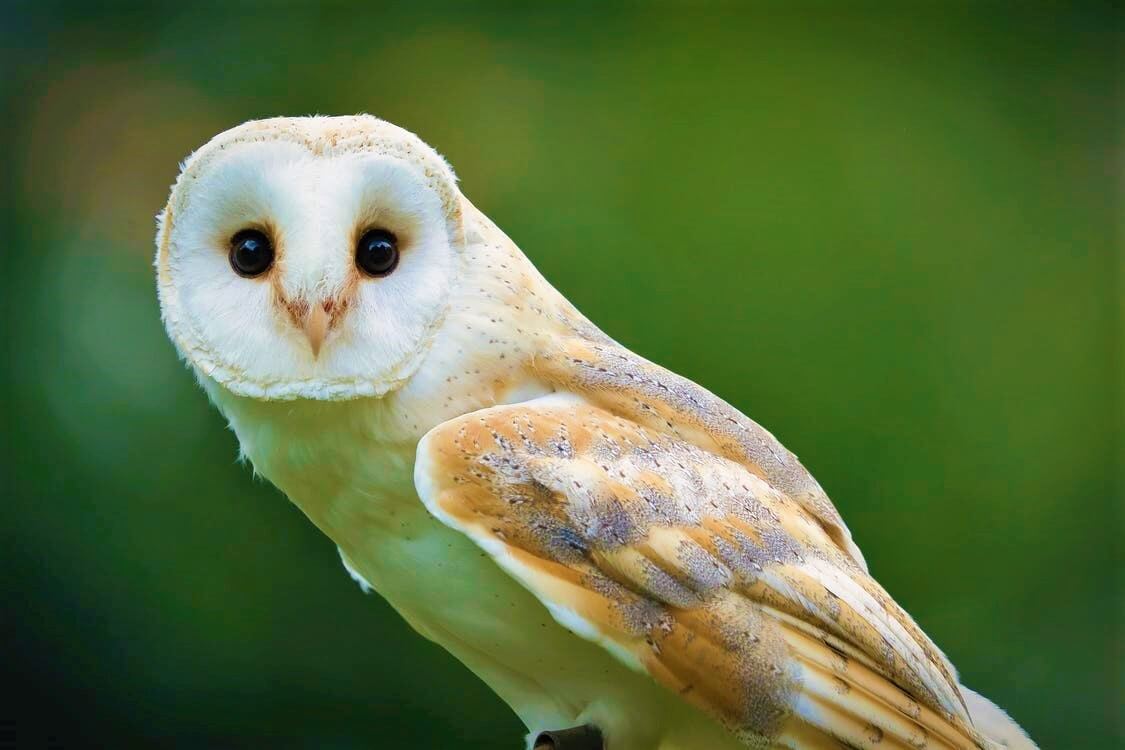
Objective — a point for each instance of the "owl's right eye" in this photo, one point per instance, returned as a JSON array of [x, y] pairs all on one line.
[[251, 253]]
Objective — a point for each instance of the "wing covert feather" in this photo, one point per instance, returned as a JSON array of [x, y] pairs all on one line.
[[690, 567], [616, 379]]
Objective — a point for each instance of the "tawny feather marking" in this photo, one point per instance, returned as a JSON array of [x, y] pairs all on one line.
[[693, 568]]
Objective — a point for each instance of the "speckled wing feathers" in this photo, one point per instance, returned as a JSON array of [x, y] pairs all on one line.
[[623, 383], [689, 566]]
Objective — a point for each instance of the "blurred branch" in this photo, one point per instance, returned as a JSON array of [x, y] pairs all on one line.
[[585, 737]]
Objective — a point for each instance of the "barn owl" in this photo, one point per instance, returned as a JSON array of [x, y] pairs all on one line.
[[623, 557]]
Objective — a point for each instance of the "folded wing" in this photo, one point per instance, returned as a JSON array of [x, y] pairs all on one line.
[[688, 566]]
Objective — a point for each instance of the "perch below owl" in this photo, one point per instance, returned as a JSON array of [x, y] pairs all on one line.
[[657, 565]]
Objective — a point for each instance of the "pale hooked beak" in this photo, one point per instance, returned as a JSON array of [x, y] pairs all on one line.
[[315, 319], [315, 325]]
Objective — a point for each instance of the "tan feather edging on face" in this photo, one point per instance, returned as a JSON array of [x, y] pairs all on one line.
[[314, 181], [328, 136]]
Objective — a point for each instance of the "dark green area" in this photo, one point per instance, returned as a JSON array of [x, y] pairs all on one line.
[[892, 239]]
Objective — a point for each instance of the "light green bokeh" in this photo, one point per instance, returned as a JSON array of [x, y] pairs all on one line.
[[892, 239]]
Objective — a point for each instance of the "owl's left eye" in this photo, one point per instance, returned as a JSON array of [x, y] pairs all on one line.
[[376, 253]]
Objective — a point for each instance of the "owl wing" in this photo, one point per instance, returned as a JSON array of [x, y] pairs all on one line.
[[688, 566], [610, 376]]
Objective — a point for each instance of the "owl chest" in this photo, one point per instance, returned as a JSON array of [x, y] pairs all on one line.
[[359, 491]]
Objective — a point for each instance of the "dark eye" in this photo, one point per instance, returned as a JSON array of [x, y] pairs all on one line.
[[251, 253], [376, 253]]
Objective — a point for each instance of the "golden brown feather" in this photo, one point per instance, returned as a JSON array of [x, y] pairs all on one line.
[[693, 568]]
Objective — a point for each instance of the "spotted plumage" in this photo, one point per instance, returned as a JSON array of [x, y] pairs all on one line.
[[600, 540], [691, 568]]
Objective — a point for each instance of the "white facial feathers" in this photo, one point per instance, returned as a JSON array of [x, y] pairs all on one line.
[[312, 325]]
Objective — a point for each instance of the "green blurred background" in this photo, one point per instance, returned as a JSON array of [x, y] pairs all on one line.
[[893, 238]]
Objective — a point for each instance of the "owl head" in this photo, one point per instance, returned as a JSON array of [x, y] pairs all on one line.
[[309, 257]]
